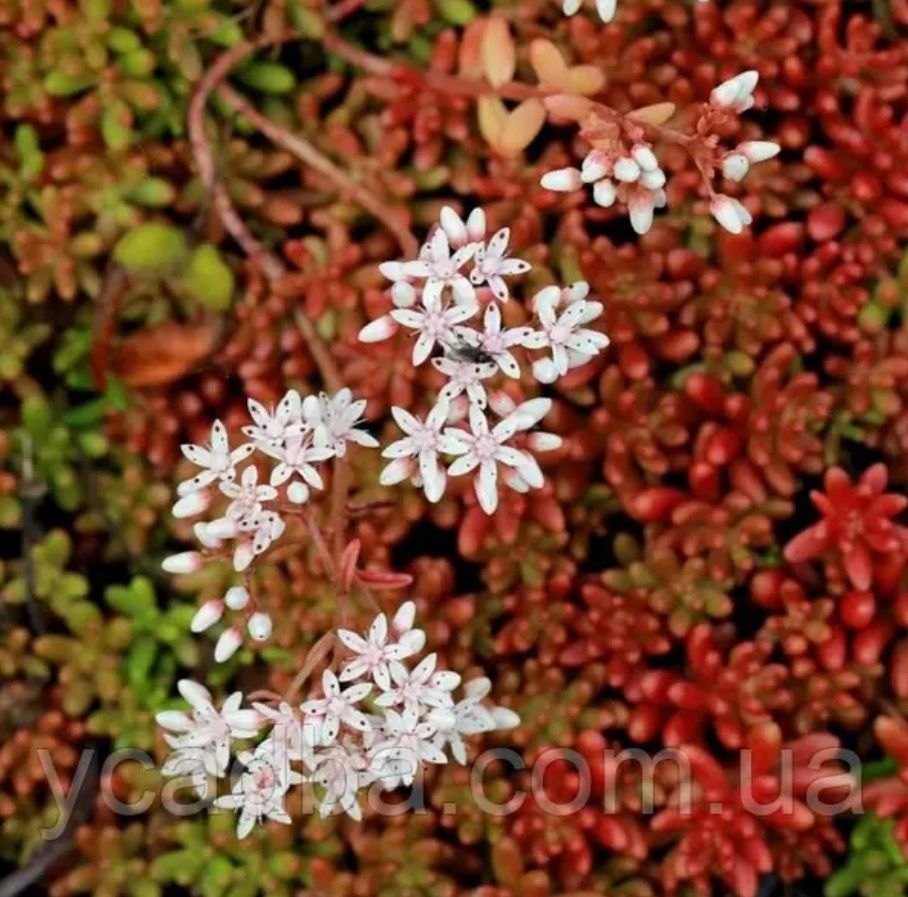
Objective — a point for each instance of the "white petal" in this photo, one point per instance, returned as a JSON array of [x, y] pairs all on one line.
[[486, 486]]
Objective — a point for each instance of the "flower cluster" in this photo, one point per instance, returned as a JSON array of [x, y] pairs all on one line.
[[293, 438], [375, 723], [622, 165], [435, 296]]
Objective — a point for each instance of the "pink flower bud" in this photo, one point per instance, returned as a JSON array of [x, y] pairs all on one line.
[[737, 92], [378, 330], [403, 619], [730, 213], [759, 150], [184, 562], [452, 224], [735, 166], [237, 597], [227, 644], [562, 180], [259, 626], [192, 504], [207, 615]]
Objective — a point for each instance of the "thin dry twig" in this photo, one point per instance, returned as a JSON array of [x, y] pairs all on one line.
[[309, 155]]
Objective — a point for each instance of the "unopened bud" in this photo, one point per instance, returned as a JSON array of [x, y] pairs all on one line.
[[227, 644], [259, 626], [237, 597], [207, 615], [735, 166], [562, 180], [192, 504], [184, 562]]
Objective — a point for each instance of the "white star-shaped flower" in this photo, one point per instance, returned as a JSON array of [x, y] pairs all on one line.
[[340, 770], [337, 707], [248, 496], [440, 269], [259, 792], [464, 377], [334, 420], [406, 744], [206, 727], [416, 455], [564, 334], [496, 342], [419, 687], [375, 652], [298, 457], [272, 427], [217, 459], [434, 324], [492, 265], [485, 449], [258, 533]]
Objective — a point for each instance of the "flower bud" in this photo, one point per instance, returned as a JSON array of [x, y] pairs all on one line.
[[759, 150], [595, 167], [737, 92], [505, 718], [237, 597], [403, 619], [192, 504], [544, 370], [206, 616], [645, 157], [452, 224], [184, 562], [654, 179], [562, 180], [227, 644], [298, 492], [259, 626], [627, 170], [403, 295], [735, 166], [730, 213], [222, 528], [476, 224], [604, 193], [378, 330], [203, 534], [544, 442]]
